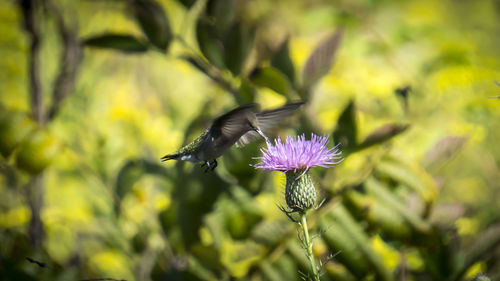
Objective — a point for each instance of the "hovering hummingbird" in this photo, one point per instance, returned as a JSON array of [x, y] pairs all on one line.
[[239, 126]]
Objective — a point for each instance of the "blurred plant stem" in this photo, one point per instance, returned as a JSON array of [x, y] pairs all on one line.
[[35, 196], [32, 23], [307, 242], [31, 13], [210, 70], [70, 58]]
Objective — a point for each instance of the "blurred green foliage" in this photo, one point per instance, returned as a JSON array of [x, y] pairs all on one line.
[[402, 85]]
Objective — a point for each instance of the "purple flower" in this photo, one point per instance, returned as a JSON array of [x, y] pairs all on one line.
[[298, 154]]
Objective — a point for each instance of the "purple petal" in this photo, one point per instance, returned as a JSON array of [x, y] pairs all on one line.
[[297, 153]]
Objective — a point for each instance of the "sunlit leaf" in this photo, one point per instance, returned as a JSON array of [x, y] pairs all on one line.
[[270, 272], [210, 44], [132, 172], [443, 150], [337, 271], [223, 13], [236, 222], [187, 3], [339, 240], [154, 22], [270, 232], [413, 177], [452, 56], [296, 251], [247, 91], [346, 131], [281, 60], [379, 215], [382, 192], [239, 256], [356, 233], [216, 225], [447, 214], [37, 151], [383, 134], [14, 128], [198, 269], [484, 246], [285, 268], [237, 44], [271, 78], [321, 60], [194, 62], [124, 43]]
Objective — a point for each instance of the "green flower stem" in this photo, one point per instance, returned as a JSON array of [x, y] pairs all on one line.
[[308, 245]]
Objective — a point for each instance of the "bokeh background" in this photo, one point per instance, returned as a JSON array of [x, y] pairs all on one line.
[[94, 92]]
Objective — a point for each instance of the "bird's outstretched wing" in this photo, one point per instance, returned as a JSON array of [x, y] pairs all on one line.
[[232, 125], [268, 119]]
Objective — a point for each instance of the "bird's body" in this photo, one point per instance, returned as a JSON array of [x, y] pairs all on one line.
[[239, 126]]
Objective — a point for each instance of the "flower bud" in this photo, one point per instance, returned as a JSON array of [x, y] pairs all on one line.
[[300, 194]]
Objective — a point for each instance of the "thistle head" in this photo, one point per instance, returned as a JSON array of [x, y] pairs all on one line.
[[298, 154], [295, 157]]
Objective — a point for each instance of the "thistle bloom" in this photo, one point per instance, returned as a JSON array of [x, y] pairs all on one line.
[[298, 154], [295, 157]]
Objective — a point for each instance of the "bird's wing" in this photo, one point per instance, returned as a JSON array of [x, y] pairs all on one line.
[[268, 119], [233, 124]]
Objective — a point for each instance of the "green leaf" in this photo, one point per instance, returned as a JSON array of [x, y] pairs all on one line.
[[194, 62], [187, 3], [381, 192], [237, 44], [239, 256], [383, 134], [284, 268], [443, 150], [154, 22], [484, 246], [225, 42], [412, 176], [270, 232], [198, 268], [346, 131], [321, 60], [338, 239], [338, 272], [361, 240], [271, 78], [270, 272], [446, 214], [124, 43], [131, 172], [210, 45], [247, 90], [281, 60], [223, 13], [297, 252], [377, 214]]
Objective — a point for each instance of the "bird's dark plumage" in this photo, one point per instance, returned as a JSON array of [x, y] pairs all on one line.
[[238, 126]]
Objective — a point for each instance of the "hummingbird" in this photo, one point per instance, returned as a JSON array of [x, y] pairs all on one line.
[[238, 126]]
